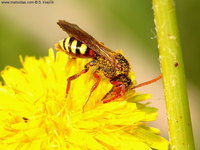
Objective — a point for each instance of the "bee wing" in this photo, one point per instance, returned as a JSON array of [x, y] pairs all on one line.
[[76, 32]]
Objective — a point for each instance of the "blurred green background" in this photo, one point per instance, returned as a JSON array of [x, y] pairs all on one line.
[[30, 29]]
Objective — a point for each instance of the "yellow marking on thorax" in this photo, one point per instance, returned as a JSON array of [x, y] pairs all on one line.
[[73, 46], [83, 48]]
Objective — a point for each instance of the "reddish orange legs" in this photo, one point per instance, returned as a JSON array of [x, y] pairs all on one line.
[[72, 78], [87, 66], [98, 79], [95, 74], [118, 90]]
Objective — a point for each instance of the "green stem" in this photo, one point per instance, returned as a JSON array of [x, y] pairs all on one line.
[[172, 67]]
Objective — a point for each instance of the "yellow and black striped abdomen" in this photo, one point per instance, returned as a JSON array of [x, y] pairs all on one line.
[[74, 47]]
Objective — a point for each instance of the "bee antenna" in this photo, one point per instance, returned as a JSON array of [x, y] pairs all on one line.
[[148, 82]]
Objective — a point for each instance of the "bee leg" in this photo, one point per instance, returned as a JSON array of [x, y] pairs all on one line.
[[87, 66], [118, 90], [98, 79]]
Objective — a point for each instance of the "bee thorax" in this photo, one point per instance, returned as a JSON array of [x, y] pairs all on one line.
[[110, 70]]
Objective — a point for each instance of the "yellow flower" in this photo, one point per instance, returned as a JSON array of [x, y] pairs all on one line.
[[36, 115]]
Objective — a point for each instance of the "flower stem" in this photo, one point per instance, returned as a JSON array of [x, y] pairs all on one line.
[[172, 67]]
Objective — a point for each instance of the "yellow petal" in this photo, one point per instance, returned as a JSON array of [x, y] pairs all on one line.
[[36, 114]]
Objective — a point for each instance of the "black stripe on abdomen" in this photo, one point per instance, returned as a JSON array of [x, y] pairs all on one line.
[[70, 43], [87, 51], [64, 43], [78, 47]]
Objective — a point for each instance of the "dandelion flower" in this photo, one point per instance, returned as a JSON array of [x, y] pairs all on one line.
[[35, 113]]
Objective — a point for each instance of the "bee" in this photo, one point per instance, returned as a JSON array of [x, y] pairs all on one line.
[[113, 65]]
